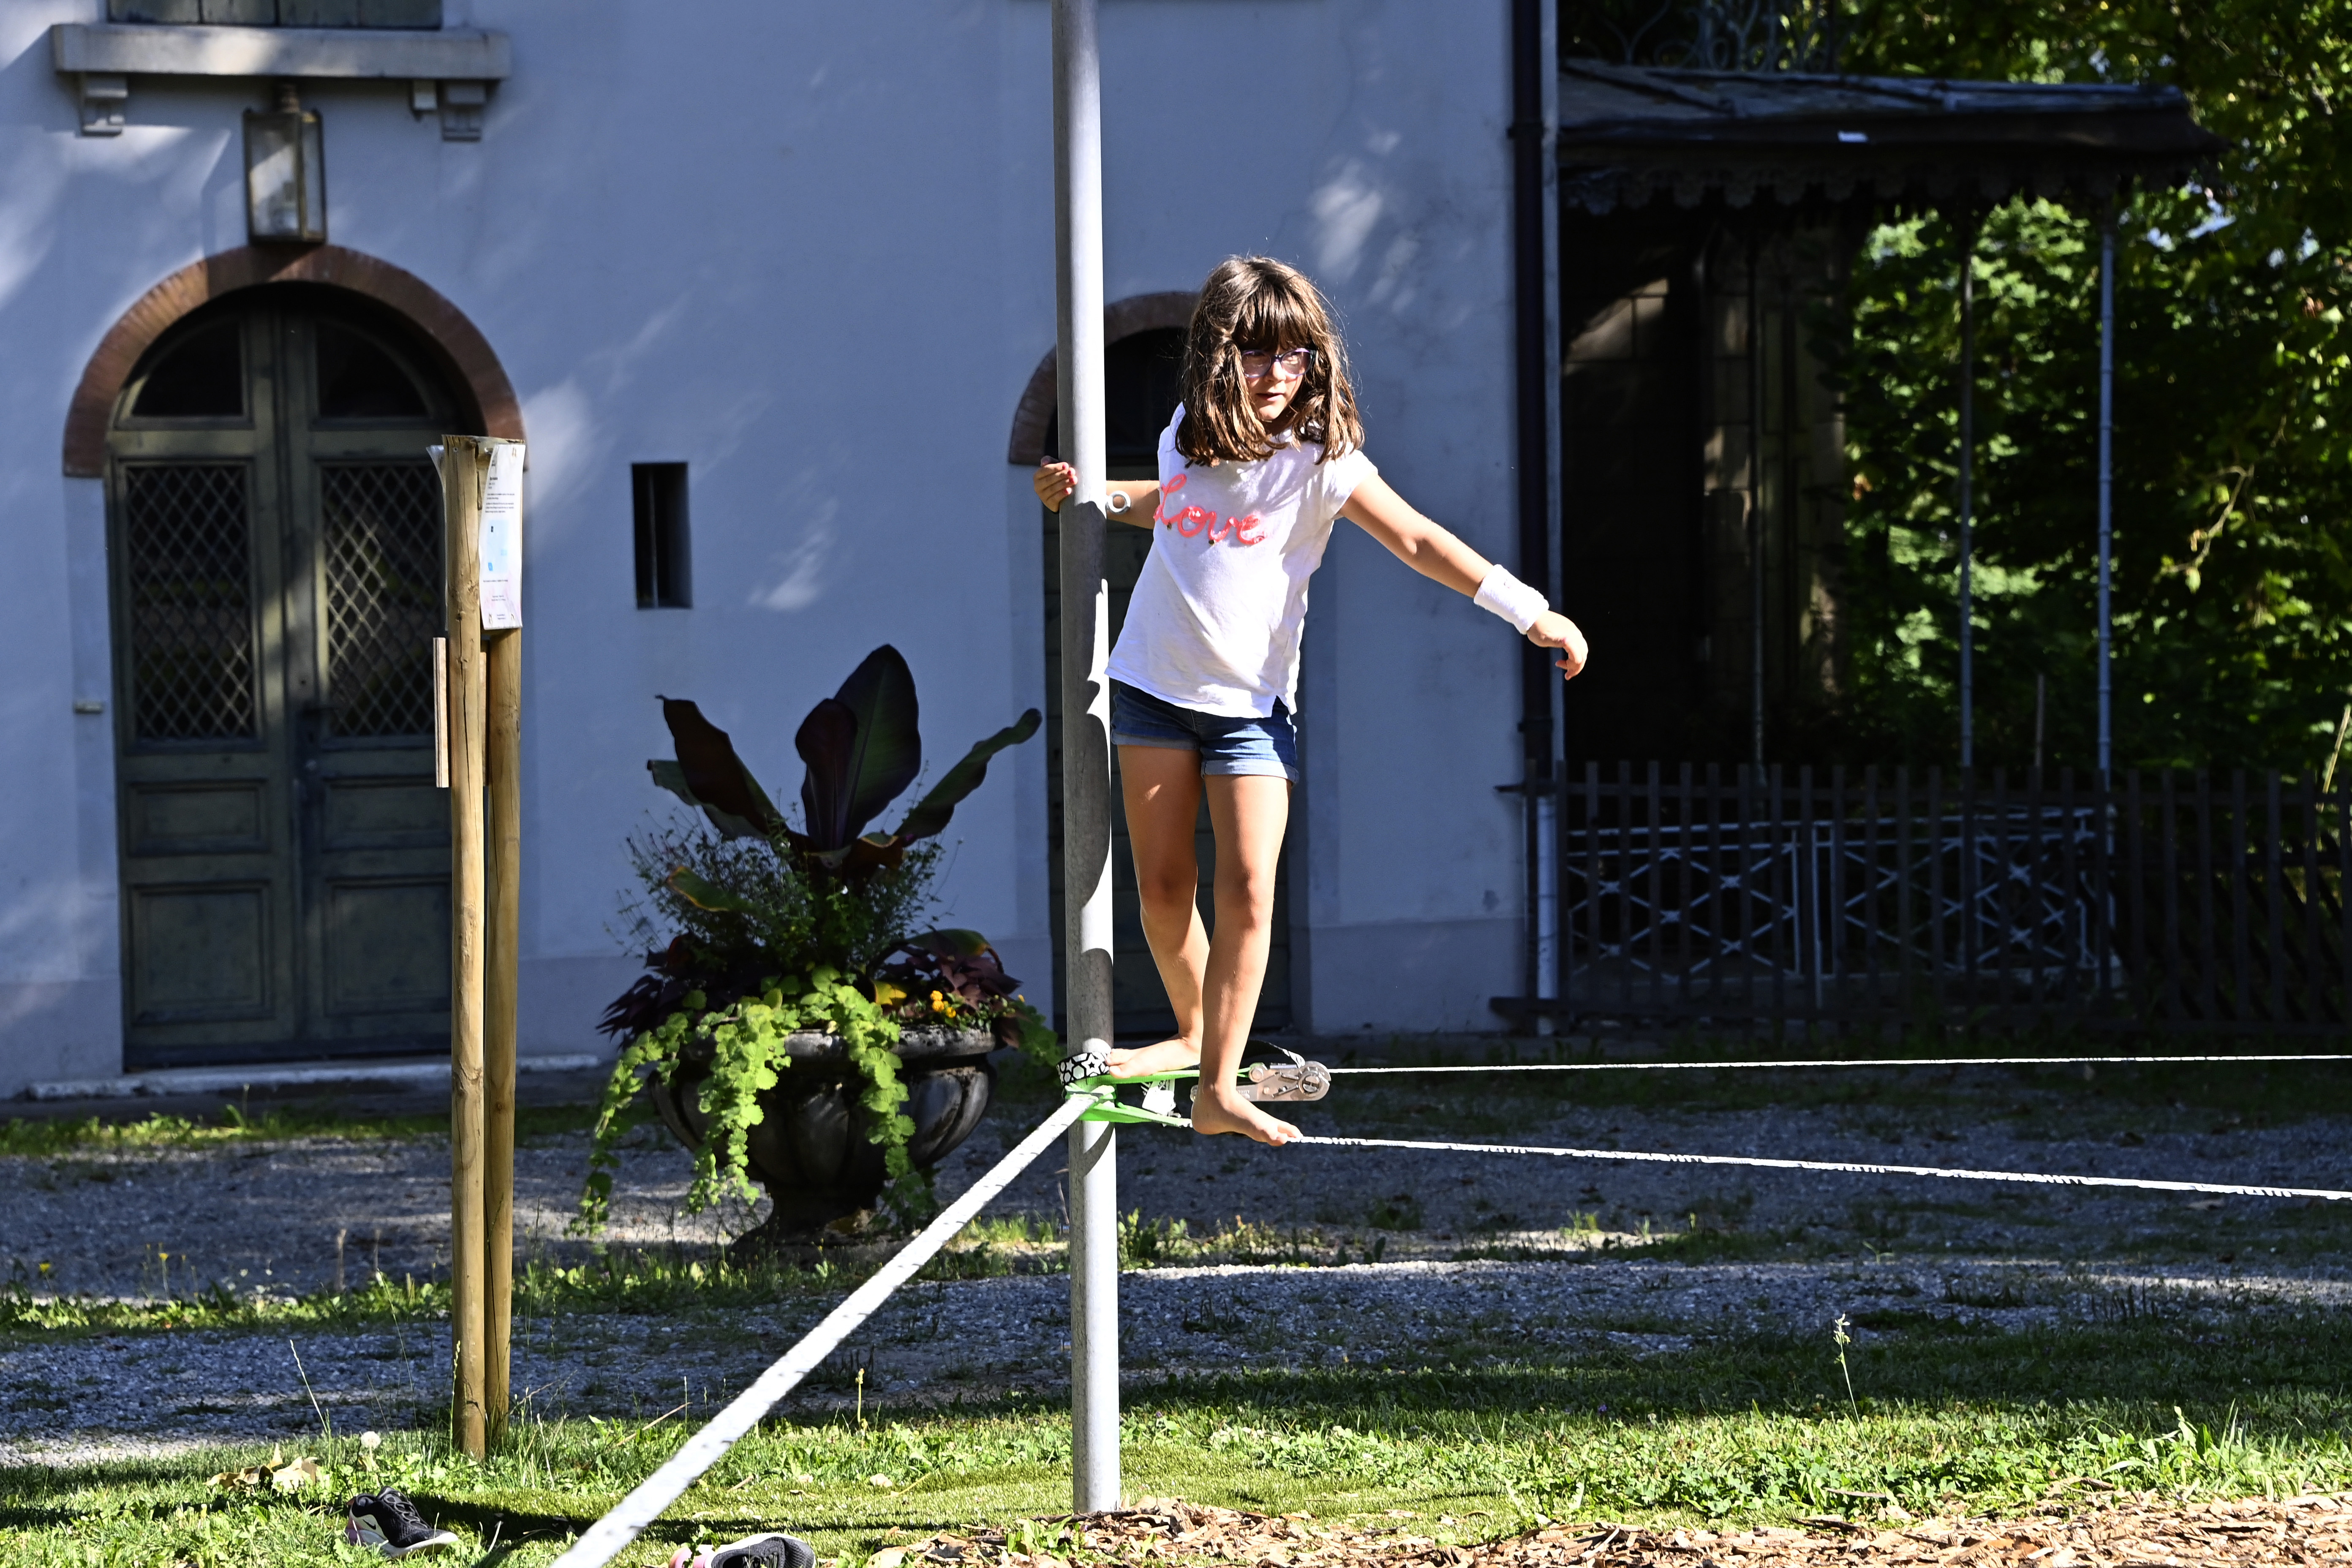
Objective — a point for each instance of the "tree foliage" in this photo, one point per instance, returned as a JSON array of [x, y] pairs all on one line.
[[2232, 590]]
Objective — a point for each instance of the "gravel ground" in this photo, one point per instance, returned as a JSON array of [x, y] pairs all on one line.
[[78, 1397], [267, 1217]]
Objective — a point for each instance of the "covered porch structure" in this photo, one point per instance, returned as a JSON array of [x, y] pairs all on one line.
[[1707, 218]]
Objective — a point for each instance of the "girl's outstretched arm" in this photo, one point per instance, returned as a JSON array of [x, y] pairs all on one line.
[[1053, 481], [1436, 554]]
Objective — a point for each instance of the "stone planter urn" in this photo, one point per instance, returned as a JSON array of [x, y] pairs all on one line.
[[810, 1150]]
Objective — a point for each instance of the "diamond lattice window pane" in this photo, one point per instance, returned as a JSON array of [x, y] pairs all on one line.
[[187, 539], [383, 594]]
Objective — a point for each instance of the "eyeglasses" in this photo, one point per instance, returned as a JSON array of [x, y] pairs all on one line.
[[1256, 362]]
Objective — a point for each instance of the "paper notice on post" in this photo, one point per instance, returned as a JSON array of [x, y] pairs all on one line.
[[502, 540]]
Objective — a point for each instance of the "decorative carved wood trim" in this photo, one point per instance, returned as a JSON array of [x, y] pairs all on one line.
[[1124, 319], [467, 358]]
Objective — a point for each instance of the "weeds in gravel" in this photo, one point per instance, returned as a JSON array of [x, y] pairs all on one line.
[[1842, 1338], [237, 1124], [1740, 1428], [612, 1282], [634, 1283], [655, 1281]]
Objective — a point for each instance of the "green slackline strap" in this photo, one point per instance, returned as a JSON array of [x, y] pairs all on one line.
[[1086, 1072]]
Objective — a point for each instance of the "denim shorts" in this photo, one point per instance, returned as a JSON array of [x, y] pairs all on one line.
[[1268, 746]]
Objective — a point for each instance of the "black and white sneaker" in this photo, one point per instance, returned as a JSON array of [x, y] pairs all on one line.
[[770, 1550], [388, 1521]]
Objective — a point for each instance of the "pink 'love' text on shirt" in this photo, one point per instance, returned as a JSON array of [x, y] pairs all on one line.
[[1191, 522]]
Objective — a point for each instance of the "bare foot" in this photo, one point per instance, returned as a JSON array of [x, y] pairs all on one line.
[[1228, 1112], [1168, 1055]]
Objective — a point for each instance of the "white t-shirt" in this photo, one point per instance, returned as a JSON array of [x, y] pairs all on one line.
[[1215, 619]]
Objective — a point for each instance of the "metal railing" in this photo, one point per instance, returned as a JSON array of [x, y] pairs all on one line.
[[1890, 896]]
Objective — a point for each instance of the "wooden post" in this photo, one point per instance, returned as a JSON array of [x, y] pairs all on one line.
[[498, 1039], [465, 474]]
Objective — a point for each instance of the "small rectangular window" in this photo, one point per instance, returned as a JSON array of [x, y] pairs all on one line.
[[664, 564]]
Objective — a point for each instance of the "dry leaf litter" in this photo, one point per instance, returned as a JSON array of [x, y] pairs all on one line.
[[2124, 1532]]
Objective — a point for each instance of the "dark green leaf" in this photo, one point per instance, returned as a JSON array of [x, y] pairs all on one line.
[[954, 942], [712, 771], [888, 751], [931, 812], [827, 743], [704, 894], [672, 777], [862, 857]]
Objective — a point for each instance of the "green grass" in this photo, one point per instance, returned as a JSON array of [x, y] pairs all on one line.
[[666, 1282], [1745, 1427], [612, 1281], [1750, 1428], [237, 1124]]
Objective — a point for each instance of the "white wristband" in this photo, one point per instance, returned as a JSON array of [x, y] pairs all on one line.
[[1116, 502], [1509, 597]]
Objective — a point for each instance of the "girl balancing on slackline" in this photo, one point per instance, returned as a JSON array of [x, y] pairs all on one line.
[[1263, 453]]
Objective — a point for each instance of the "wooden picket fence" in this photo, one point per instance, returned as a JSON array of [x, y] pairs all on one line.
[[1893, 897]]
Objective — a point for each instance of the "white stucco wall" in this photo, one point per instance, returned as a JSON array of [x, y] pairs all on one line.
[[1386, 174], [807, 249]]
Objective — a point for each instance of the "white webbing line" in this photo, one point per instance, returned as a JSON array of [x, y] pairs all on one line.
[[1851, 1167], [1845, 1062], [630, 1516]]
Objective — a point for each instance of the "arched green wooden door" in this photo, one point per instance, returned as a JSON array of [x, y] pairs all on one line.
[[277, 570]]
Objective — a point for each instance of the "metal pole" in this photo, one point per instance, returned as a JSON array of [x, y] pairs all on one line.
[[1756, 498], [1555, 524], [1086, 748], [1968, 474], [1535, 221], [2107, 481], [2041, 709]]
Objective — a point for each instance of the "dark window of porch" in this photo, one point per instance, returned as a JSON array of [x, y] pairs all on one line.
[[279, 12]]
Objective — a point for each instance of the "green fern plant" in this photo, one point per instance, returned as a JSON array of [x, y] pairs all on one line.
[[746, 1038]]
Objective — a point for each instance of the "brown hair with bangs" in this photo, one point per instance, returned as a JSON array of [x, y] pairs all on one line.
[[1257, 302]]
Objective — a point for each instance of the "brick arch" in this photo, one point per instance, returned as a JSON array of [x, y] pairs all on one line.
[[466, 356], [1124, 319]]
